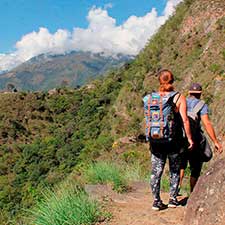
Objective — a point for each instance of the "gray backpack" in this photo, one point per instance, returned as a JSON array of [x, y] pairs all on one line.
[[194, 119]]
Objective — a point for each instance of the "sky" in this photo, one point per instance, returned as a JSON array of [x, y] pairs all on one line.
[[33, 27]]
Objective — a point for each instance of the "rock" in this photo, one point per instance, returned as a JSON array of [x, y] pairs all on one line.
[[52, 91], [127, 140], [206, 206]]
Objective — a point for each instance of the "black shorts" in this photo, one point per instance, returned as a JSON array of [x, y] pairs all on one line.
[[193, 157], [165, 148]]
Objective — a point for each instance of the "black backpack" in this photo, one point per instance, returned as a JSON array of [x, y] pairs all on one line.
[[197, 133], [194, 120]]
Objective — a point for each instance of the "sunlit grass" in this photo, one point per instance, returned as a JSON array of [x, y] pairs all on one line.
[[106, 173], [68, 205]]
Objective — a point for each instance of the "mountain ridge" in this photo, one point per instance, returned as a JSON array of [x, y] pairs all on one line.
[[48, 71]]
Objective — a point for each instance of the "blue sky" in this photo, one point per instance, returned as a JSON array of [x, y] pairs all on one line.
[[19, 17], [33, 27]]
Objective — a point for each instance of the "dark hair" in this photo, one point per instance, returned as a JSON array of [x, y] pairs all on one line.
[[166, 80], [196, 95]]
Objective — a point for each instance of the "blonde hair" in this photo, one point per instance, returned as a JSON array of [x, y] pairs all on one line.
[[166, 80]]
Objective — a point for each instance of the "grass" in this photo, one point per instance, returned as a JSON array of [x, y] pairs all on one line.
[[106, 173], [136, 172], [119, 175], [165, 183], [185, 189], [68, 205]]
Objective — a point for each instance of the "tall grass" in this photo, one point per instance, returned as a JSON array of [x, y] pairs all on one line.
[[117, 174], [67, 206], [70, 205], [107, 173], [136, 172]]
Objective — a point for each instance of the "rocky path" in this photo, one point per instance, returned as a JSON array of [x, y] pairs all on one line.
[[134, 207]]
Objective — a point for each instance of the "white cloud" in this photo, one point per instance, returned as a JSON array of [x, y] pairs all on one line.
[[8, 61], [101, 35], [170, 7], [42, 41]]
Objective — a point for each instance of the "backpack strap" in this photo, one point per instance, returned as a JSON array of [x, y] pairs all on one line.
[[198, 107], [149, 114], [175, 101], [162, 117]]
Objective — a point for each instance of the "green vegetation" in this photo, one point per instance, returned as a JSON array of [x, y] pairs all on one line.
[[165, 183], [214, 68], [106, 173], [117, 174], [43, 136], [69, 205]]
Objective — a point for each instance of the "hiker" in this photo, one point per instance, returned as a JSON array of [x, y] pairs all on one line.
[[166, 114], [200, 108]]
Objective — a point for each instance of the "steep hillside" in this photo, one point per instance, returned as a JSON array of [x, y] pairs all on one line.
[[46, 136], [47, 71], [192, 45], [42, 136]]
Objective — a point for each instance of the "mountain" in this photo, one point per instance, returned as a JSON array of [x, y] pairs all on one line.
[[48, 71], [46, 136]]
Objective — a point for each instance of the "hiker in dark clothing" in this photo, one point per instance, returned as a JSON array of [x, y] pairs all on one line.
[[194, 157], [165, 141]]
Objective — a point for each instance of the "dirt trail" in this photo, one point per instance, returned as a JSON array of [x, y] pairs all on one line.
[[134, 207]]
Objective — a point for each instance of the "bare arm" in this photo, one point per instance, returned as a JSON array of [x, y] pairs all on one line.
[[182, 106], [211, 132]]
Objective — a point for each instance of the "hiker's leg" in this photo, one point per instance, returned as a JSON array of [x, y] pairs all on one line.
[[195, 167], [158, 162], [183, 166], [181, 176], [174, 165], [193, 182], [195, 173]]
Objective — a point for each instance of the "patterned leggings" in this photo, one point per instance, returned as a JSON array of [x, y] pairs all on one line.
[[158, 163]]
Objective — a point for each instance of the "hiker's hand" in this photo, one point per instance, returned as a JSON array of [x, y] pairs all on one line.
[[191, 144], [218, 147]]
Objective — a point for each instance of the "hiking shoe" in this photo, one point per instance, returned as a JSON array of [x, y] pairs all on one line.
[[158, 205], [173, 203]]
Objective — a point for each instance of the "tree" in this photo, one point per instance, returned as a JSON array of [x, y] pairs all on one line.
[[11, 87]]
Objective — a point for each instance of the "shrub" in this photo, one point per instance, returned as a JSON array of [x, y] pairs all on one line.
[[130, 156], [214, 68]]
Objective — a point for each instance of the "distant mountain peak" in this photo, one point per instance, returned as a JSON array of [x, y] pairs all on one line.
[[47, 71]]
